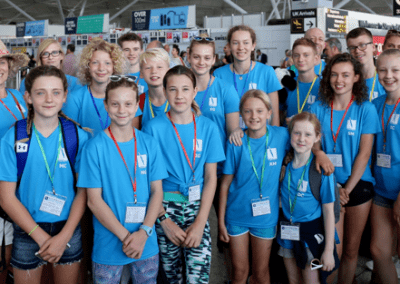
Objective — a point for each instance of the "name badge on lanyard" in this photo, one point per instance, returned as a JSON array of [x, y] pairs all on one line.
[[194, 192], [336, 159], [383, 160], [135, 212], [53, 203], [290, 231], [260, 206]]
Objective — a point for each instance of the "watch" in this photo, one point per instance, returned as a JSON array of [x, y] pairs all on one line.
[[147, 229], [162, 218]]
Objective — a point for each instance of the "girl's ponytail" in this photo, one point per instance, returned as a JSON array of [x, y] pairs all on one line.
[[62, 114], [288, 158], [196, 108]]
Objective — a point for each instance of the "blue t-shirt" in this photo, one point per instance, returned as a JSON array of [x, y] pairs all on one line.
[[307, 208], [360, 119], [291, 101], [79, 107], [318, 69], [378, 89], [142, 85], [35, 182], [208, 150], [6, 119], [245, 186], [262, 77], [388, 179], [103, 167], [157, 110], [73, 84]]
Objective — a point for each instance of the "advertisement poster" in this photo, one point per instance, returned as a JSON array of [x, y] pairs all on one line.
[[176, 37], [169, 37], [36, 28], [185, 37]]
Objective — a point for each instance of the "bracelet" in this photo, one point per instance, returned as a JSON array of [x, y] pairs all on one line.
[[162, 218], [33, 230]]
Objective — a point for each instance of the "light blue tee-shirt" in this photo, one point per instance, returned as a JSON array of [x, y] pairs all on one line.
[[291, 101], [79, 107], [208, 150], [262, 77], [378, 89], [245, 186], [360, 119], [103, 167], [73, 84], [307, 208], [6, 119], [35, 182], [388, 179], [142, 85], [157, 110]]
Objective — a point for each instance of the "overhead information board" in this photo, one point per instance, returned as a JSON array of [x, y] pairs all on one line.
[[336, 22], [33, 28], [87, 24]]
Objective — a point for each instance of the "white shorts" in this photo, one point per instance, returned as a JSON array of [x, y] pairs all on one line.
[[9, 232]]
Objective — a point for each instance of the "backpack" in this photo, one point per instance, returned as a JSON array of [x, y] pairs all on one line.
[[314, 180]]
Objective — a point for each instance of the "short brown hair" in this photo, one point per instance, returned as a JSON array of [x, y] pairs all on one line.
[[130, 37], [355, 33], [305, 42]]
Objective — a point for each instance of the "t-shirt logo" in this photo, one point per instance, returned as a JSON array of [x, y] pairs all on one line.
[[311, 99], [141, 89], [62, 157], [272, 154], [375, 95], [252, 86], [22, 147], [395, 119], [351, 124], [213, 102], [303, 186], [199, 145], [319, 238], [142, 161]]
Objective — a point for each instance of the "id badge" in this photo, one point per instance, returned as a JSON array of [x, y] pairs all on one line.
[[384, 161], [336, 159], [194, 192], [260, 206], [135, 213], [290, 231], [53, 203], [241, 123]]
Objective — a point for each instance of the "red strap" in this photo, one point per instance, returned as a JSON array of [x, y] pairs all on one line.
[[142, 99], [335, 136], [16, 119]]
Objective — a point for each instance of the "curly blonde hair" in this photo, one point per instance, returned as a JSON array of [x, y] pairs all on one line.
[[120, 64]]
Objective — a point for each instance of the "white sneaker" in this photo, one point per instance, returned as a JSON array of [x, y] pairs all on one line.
[[370, 265], [397, 265]]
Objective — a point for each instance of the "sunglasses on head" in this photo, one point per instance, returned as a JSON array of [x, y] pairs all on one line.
[[129, 78], [200, 38]]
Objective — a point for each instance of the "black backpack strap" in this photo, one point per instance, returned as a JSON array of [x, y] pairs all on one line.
[[314, 179]]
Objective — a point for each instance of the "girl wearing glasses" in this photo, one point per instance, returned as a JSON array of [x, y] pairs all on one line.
[[99, 60], [50, 53], [246, 74], [349, 122]]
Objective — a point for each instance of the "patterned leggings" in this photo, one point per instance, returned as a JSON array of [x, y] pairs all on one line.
[[197, 260]]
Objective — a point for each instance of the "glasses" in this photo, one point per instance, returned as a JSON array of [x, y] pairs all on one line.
[[316, 264], [129, 78], [200, 38], [54, 53], [361, 47]]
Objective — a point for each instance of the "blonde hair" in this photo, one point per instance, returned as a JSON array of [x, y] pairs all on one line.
[[45, 44], [120, 63], [389, 52], [258, 94], [154, 54]]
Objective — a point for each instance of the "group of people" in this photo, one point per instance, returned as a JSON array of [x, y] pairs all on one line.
[[149, 149]]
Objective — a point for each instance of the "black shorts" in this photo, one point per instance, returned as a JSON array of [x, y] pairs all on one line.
[[362, 192]]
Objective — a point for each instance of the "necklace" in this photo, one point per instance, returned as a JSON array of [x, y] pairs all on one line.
[[241, 75]]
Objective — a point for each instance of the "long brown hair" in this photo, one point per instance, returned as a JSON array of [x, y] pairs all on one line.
[[246, 29]]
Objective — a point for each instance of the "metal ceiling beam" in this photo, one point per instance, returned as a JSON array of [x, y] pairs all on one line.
[[20, 10], [341, 4], [123, 10], [83, 8], [365, 6], [275, 8], [13, 18], [60, 10], [235, 6]]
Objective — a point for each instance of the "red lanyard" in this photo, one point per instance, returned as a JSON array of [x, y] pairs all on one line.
[[16, 119], [335, 136], [183, 147], [133, 181], [384, 132], [18, 106]]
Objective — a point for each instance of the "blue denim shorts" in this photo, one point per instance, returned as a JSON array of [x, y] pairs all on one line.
[[24, 247], [383, 201], [262, 233]]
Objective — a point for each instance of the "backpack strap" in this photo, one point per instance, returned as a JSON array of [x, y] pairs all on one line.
[[21, 149], [142, 99], [314, 179]]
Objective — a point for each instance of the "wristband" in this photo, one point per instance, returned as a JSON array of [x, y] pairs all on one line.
[[33, 230], [162, 218], [147, 229]]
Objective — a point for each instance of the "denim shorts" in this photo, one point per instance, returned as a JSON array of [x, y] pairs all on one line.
[[383, 201], [24, 247], [262, 233]]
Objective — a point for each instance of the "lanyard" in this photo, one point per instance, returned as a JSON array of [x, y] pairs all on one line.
[[299, 110], [44, 154], [373, 87], [18, 106], [292, 205], [183, 147], [263, 166], [335, 136], [205, 94], [151, 108], [133, 180], [320, 67], [98, 113], [384, 132], [245, 83]]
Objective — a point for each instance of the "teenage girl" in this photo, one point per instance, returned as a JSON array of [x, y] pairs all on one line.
[[192, 148], [99, 60], [385, 212], [46, 209], [392, 40], [302, 211], [50, 53], [244, 73], [122, 169], [12, 108], [349, 123], [249, 198]]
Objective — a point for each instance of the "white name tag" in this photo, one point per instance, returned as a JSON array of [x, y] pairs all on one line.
[[290, 231], [135, 213], [336, 159], [53, 204], [260, 207], [194, 193], [241, 123], [383, 161]]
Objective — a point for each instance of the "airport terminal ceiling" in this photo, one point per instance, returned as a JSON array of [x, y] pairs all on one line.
[[13, 11]]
